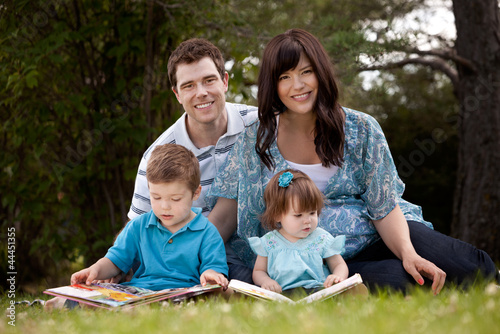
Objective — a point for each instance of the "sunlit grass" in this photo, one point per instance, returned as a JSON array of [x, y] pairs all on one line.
[[453, 311]]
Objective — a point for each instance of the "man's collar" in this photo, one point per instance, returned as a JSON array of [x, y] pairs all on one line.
[[181, 135], [235, 126]]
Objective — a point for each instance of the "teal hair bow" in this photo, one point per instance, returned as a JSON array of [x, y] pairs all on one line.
[[285, 179]]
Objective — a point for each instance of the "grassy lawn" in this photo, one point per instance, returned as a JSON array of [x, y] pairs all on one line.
[[452, 311]]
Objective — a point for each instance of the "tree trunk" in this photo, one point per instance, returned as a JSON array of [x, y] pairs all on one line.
[[477, 199]]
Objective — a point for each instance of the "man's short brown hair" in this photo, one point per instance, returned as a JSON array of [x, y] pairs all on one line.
[[191, 51], [171, 163]]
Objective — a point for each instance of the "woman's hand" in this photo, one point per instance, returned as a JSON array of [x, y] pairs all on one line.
[[417, 267], [394, 231]]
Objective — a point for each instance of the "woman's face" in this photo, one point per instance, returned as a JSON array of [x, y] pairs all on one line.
[[298, 87]]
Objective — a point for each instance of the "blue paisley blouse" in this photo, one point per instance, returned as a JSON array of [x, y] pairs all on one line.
[[366, 188]]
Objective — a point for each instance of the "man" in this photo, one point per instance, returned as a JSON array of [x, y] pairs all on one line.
[[209, 127]]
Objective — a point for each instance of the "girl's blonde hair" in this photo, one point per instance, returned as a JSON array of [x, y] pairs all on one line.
[[301, 192]]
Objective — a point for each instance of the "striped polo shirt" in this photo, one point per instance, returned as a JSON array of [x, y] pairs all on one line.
[[210, 157]]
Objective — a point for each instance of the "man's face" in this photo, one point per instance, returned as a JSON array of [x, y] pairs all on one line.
[[201, 91]]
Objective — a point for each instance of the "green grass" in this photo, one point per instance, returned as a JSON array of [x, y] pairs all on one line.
[[452, 311]]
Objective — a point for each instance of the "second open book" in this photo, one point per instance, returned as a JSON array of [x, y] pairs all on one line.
[[258, 292]]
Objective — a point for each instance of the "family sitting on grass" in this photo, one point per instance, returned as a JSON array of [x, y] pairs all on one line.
[[300, 128]]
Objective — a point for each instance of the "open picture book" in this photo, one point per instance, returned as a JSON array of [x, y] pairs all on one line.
[[258, 292], [113, 296]]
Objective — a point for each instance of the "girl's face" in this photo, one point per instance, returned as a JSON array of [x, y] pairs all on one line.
[[298, 225], [298, 87]]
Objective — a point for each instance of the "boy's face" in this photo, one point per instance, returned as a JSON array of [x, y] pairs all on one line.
[[171, 203], [201, 91]]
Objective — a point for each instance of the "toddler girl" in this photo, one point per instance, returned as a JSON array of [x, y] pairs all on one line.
[[292, 254]]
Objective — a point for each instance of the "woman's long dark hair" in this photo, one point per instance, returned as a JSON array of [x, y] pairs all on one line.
[[281, 54]]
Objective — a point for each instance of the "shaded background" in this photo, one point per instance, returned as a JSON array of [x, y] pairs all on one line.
[[84, 91]]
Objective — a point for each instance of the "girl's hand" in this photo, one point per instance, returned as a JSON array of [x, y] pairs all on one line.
[[213, 277], [331, 280], [271, 285]]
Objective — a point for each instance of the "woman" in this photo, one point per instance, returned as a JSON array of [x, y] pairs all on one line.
[[302, 126]]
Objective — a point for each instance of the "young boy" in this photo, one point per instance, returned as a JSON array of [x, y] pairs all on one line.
[[175, 244]]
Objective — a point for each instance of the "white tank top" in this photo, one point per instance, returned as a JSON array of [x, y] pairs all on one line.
[[317, 172]]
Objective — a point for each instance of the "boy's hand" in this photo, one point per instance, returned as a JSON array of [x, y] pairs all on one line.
[[87, 276], [119, 278], [213, 277], [271, 285], [331, 280]]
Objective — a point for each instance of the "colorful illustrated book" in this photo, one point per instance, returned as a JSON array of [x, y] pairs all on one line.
[[258, 292], [113, 296]]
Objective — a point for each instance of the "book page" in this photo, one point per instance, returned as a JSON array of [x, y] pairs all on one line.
[[335, 289], [258, 292]]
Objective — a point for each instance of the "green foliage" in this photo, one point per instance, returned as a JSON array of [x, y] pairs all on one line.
[[75, 121]]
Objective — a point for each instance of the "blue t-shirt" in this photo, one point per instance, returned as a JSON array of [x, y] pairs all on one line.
[[366, 188], [168, 260], [300, 263]]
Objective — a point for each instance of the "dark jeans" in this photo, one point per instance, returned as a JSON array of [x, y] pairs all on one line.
[[240, 272], [461, 261]]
